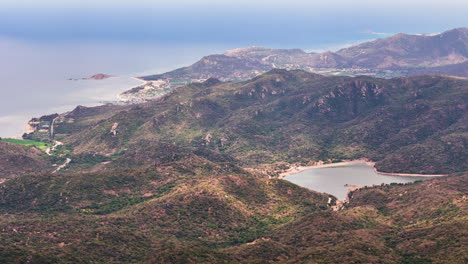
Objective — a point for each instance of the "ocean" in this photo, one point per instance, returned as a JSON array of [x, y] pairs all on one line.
[[34, 76]]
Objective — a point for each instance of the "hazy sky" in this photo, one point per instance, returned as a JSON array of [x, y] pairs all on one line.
[[292, 23]]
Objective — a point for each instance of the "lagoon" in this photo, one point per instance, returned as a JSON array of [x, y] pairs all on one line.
[[332, 180]]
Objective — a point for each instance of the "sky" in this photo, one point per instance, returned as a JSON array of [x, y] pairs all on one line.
[[292, 23]]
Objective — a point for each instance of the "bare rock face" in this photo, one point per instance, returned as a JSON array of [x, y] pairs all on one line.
[[208, 138], [114, 130]]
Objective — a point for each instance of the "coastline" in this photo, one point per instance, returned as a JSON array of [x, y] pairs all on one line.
[[113, 97], [298, 169], [119, 95], [139, 79]]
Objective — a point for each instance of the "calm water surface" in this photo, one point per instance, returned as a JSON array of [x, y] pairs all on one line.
[[34, 75], [332, 180]]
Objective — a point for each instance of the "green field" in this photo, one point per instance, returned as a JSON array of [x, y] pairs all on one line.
[[30, 143]]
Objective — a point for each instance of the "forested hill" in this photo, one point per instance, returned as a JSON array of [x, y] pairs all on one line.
[[413, 125]]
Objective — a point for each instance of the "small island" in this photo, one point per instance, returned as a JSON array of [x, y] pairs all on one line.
[[98, 76]]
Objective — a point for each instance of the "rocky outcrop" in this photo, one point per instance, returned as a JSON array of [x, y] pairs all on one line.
[[348, 100], [113, 131]]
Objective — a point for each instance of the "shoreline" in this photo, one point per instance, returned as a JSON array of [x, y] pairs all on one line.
[[140, 80], [119, 95], [298, 169], [350, 187], [116, 99]]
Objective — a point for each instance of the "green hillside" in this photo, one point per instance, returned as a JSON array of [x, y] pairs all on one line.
[[30, 143], [413, 125]]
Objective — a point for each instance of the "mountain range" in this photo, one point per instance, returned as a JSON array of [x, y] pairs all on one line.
[[398, 55], [292, 116], [194, 176]]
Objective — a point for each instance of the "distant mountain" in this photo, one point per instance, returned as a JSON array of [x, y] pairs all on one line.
[[246, 63], [217, 66], [410, 51], [398, 55]]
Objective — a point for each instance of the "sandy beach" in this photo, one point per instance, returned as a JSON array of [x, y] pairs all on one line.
[[351, 187], [140, 80], [119, 96], [298, 169]]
